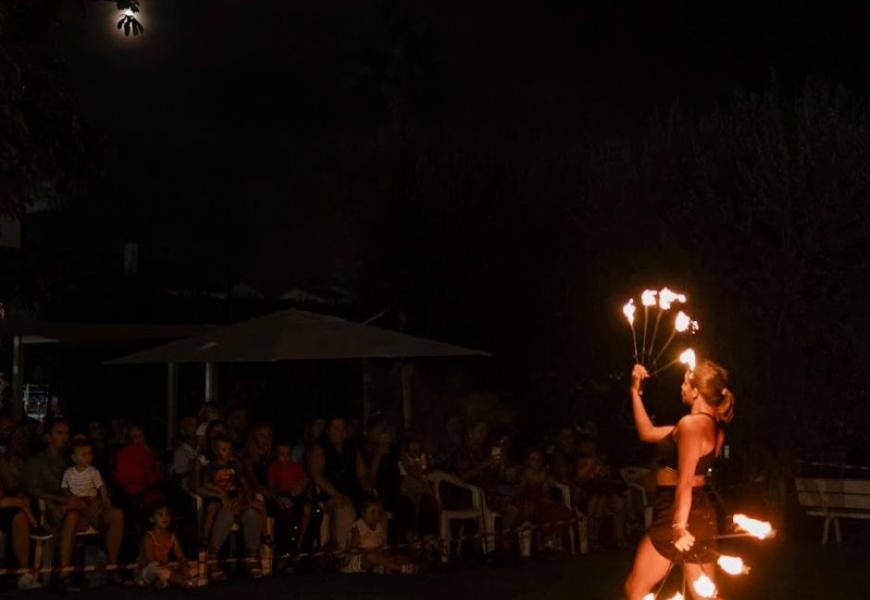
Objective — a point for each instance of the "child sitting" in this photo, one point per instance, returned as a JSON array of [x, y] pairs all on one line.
[[368, 536], [222, 477], [159, 541], [288, 482], [84, 481]]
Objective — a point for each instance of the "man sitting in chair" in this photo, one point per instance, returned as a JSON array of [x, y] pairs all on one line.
[[43, 474]]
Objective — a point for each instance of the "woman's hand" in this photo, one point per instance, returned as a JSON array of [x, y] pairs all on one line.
[[683, 540], [638, 374]]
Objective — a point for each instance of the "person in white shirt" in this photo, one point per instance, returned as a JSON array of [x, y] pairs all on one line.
[[82, 479], [185, 453]]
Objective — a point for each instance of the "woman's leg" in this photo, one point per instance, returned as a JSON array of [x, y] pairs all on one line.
[[21, 539], [649, 568], [304, 522], [251, 522], [342, 521], [692, 571], [211, 511]]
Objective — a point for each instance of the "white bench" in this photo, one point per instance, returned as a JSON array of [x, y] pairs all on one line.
[[834, 499]]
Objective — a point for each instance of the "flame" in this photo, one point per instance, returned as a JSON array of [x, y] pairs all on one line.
[[688, 359], [648, 298], [668, 296], [682, 322], [733, 565], [628, 310], [677, 596], [704, 587], [649, 597], [754, 527]]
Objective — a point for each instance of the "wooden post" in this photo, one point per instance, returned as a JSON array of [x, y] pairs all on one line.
[[171, 402]]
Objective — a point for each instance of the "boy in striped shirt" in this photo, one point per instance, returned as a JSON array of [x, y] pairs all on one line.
[[84, 481]]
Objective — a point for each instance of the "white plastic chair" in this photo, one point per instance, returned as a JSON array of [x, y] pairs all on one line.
[[565, 492], [634, 478], [475, 513]]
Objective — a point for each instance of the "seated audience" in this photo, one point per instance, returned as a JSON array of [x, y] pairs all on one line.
[[288, 484], [337, 470], [137, 472], [222, 476], [70, 513], [313, 432], [539, 505], [564, 455], [599, 493]]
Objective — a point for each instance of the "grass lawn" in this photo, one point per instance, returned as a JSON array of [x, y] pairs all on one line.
[[801, 571]]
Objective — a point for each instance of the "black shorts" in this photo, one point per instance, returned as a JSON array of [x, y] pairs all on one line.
[[6, 517], [702, 524]]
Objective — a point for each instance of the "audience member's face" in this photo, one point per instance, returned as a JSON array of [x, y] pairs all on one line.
[[136, 436], [337, 432], [372, 515], [317, 428], [535, 461], [217, 430], [284, 455], [263, 437], [187, 427], [478, 434], [223, 450], [58, 437], [7, 425], [162, 518], [96, 431], [83, 456]]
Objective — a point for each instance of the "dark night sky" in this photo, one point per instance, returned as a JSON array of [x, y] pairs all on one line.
[[213, 116]]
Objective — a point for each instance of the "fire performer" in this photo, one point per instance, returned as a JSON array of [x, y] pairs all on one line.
[[683, 510]]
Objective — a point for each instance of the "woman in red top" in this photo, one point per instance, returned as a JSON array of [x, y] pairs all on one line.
[[137, 472]]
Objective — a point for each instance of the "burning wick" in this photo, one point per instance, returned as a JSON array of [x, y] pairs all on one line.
[[682, 323], [666, 298], [754, 527], [733, 565], [704, 587], [628, 310], [688, 359], [647, 298]]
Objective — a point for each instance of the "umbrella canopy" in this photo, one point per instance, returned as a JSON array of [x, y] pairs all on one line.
[[294, 335]]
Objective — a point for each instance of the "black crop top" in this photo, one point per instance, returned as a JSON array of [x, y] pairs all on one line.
[[666, 450]]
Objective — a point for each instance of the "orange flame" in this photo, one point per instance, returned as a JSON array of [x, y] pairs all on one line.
[[628, 310], [682, 322], [677, 596], [704, 587], [649, 597], [754, 527], [688, 359], [733, 565], [668, 297], [648, 298]]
